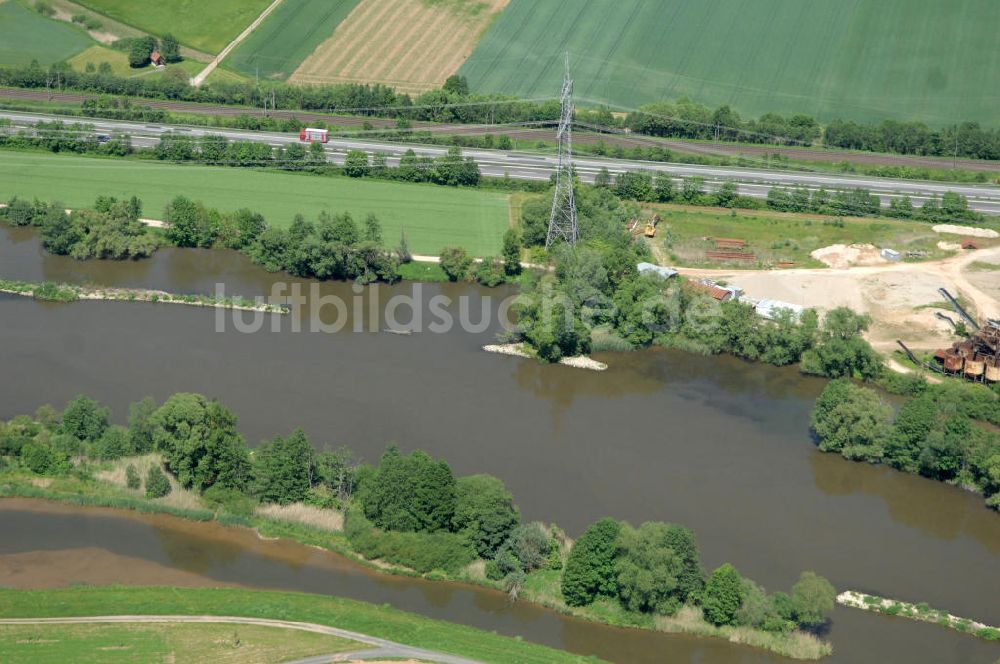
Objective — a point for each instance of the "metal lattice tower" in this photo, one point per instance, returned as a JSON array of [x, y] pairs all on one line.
[[562, 221]]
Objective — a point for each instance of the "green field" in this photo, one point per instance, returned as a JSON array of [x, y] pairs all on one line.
[[381, 621], [433, 216], [207, 25], [186, 643], [931, 60], [288, 36], [26, 35]]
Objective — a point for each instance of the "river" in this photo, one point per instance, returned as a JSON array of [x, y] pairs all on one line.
[[717, 444]]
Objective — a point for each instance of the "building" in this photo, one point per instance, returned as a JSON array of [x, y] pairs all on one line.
[[718, 292], [157, 59], [649, 268], [770, 309], [891, 255]]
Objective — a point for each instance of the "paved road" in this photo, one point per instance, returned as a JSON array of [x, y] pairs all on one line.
[[751, 182], [380, 648]]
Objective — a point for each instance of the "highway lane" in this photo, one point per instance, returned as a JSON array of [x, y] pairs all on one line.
[[750, 181]]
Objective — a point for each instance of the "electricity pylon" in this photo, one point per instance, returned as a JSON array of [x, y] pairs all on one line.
[[562, 221]]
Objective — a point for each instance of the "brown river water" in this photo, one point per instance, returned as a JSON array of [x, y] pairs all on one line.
[[717, 444]]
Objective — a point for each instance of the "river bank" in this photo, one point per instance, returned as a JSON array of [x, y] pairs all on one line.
[[542, 591], [53, 292]]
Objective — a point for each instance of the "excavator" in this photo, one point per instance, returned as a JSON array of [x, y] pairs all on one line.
[[651, 226]]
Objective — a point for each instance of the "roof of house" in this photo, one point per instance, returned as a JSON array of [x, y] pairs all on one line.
[[664, 272], [714, 291], [769, 308]]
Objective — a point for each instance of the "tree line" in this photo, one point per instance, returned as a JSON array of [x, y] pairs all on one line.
[[455, 103], [408, 509], [935, 433]]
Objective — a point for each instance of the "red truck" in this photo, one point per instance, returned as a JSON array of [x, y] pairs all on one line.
[[314, 135]]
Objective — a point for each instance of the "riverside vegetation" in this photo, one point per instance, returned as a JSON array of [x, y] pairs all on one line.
[[942, 432], [408, 511]]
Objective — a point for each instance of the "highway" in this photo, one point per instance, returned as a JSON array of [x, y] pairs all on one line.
[[750, 181]]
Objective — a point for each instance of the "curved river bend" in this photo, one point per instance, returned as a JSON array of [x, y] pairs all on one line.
[[717, 444]]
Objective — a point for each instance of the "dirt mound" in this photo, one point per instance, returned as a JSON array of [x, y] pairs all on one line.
[[949, 246], [841, 256], [966, 230]]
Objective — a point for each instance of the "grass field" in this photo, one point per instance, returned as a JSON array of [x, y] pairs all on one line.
[[205, 25], [433, 216], [931, 60], [777, 237], [178, 643], [413, 45], [118, 60], [380, 621], [26, 35], [288, 36]]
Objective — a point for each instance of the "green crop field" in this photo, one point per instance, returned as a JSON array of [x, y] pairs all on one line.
[[288, 36], [931, 60], [26, 35], [207, 25], [432, 216]]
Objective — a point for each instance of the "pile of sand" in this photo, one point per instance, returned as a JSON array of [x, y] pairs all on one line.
[[949, 246], [966, 230], [841, 256]]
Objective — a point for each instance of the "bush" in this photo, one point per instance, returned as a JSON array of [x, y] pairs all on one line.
[[132, 479], [456, 263], [529, 545], [231, 501], [422, 552], [40, 458], [157, 484]]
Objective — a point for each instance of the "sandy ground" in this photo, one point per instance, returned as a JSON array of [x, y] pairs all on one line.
[[893, 293]]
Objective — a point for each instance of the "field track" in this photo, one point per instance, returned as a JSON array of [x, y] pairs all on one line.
[[533, 135], [412, 45], [937, 61]]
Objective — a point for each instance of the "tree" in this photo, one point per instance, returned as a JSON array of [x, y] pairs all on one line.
[[58, 231], [411, 493], [663, 189], [113, 444], [690, 578], [648, 570], [373, 229], [356, 164], [485, 511], [140, 430], [199, 441], [456, 84], [140, 49], [512, 252], [812, 598], [403, 250], [590, 569], [191, 223], [157, 484], [170, 49], [456, 263], [603, 178], [851, 420], [132, 479], [85, 418], [723, 595], [529, 544], [283, 469]]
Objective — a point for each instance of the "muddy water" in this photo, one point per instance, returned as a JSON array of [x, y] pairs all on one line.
[[714, 443]]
